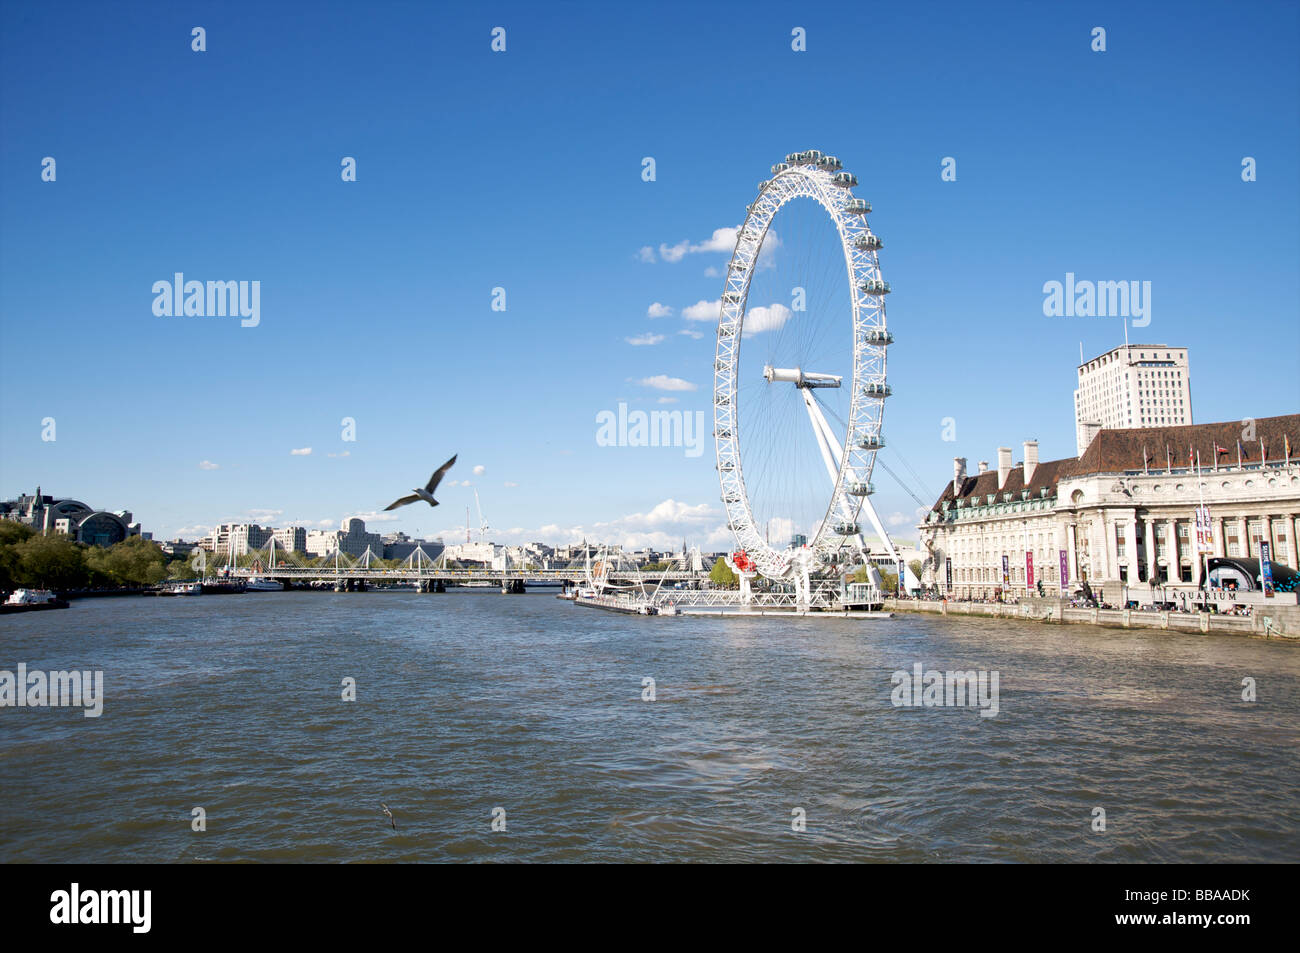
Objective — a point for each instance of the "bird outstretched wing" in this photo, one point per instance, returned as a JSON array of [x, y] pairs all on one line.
[[438, 474], [402, 502]]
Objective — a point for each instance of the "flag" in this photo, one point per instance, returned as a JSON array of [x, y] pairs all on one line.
[[1146, 459], [1191, 458], [1286, 442], [1168, 462], [1218, 452], [1238, 454], [1263, 452]]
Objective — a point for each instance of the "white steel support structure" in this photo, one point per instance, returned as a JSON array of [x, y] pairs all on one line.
[[810, 175], [831, 451]]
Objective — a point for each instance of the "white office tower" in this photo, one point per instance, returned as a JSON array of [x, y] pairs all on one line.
[[1133, 386]]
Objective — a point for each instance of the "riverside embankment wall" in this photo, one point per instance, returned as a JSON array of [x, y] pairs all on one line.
[[1281, 622]]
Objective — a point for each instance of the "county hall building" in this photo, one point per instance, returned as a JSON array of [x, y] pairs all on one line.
[[1121, 516]]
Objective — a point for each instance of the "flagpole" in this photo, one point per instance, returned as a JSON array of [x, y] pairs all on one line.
[[1205, 553]]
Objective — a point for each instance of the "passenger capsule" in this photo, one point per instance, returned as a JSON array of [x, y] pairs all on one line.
[[871, 441], [847, 529], [868, 243], [879, 336], [861, 489], [845, 180], [857, 207]]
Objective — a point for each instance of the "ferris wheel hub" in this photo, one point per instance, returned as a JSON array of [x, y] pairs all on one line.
[[800, 378]]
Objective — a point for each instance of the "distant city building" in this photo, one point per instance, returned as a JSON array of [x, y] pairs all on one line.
[[479, 552], [400, 546], [1122, 517], [71, 518], [178, 547], [1133, 386], [243, 537], [291, 538], [351, 540]]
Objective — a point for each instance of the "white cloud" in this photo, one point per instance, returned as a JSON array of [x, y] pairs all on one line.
[[758, 320], [480, 470], [658, 310], [511, 483], [664, 382], [380, 516], [723, 240], [674, 253], [304, 452], [326, 524], [703, 311], [209, 465], [345, 453], [667, 400], [641, 340], [662, 527], [691, 334], [897, 519], [767, 254]]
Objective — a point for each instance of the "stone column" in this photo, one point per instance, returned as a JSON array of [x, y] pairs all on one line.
[[1112, 553], [1292, 525], [1175, 562], [1131, 547], [1071, 554], [1150, 529], [1245, 536], [1220, 537]]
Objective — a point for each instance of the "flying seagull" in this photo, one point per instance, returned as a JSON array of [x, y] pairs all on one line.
[[427, 493], [391, 819]]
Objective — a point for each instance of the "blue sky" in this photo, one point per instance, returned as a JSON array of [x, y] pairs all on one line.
[[522, 170]]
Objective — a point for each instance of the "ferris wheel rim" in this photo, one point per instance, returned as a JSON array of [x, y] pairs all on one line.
[[791, 180]]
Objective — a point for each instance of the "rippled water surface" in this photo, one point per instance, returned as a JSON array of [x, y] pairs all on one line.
[[471, 701]]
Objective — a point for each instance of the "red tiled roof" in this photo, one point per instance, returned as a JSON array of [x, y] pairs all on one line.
[[1115, 451]]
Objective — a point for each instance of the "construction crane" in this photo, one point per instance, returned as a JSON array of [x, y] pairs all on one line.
[[482, 523]]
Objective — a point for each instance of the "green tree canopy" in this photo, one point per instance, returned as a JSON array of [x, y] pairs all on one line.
[[722, 576], [50, 562]]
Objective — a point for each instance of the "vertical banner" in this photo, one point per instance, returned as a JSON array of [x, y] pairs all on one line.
[[1006, 572], [1029, 571], [1266, 568], [1204, 538], [1065, 571], [947, 571], [902, 588]]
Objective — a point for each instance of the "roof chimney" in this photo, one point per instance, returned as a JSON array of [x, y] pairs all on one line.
[[958, 474], [1031, 459], [984, 466], [1004, 465]]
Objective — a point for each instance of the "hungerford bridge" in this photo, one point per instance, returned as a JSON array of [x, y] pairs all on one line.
[[273, 561]]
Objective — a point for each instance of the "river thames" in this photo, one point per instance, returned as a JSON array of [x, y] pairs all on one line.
[[471, 701]]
